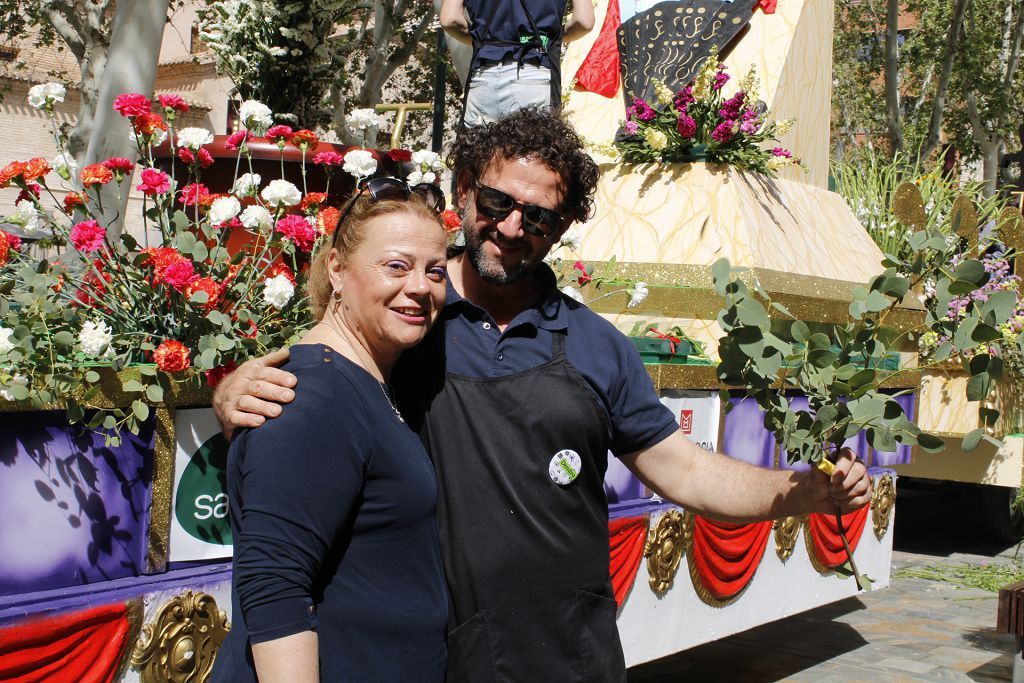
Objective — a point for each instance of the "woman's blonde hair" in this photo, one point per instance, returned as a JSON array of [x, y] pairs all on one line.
[[349, 234]]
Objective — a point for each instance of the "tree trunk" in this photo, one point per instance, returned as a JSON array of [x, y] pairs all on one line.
[[892, 80], [131, 63], [942, 86], [990, 166]]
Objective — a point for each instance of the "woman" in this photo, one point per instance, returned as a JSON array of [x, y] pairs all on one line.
[[337, 570]]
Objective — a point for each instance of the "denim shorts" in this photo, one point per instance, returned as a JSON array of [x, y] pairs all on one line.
[[496, 90]]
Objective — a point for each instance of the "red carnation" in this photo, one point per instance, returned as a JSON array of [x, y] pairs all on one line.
[[96, 174], [214, 376], [14, 242], [194, 193], [172, 356], [279, 133], [399, 155], [174, 103], [11, 171], [120, 167], [281, 269], [305, 139], [451, 220], [234, 141], [312, 200], [132, 104], [327, 220], [179, 275], [88, 236], [148, 123], [205, 158], [298, 230], [30, 193], [584, 276], [154, 182], [329, 159], [72, 201], [186, 155]]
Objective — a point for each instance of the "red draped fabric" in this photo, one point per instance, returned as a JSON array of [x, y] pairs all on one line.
[[828, 546], [626, 538], [85, 647], [727, 555], [767, 6], [600, 70]]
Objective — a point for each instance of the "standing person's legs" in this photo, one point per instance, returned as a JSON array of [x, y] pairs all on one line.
[[500, 89]]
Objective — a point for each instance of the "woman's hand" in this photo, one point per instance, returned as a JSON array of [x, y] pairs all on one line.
[[253, 392]]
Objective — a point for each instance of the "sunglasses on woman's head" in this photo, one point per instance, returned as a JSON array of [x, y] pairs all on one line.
[[384, 188], [497, 205]]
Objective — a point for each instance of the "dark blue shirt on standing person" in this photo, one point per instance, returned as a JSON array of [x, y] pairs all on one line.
[[333, 517], [496, 24]]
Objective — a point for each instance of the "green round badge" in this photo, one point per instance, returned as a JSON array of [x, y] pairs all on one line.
[[201, 505]]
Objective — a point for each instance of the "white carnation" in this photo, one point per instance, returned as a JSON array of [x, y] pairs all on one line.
[[255, 116], [572, 293], [278, 291], [256, 217], [281, 192], [418, 177], [46, 94], [360, 163], [572, 238], [158, 137], [425, 160], [64, 163], [224, 209], [638, 294], [362, 119], [247, 184], [6, 339], [31, 221], [194, 138], [95, 336]]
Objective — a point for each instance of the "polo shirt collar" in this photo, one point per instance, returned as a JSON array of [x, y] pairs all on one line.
[[548, 312]]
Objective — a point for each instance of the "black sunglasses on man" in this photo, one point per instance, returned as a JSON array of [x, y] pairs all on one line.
[[497, 205]]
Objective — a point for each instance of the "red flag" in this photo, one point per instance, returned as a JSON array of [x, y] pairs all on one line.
[[599, 72]]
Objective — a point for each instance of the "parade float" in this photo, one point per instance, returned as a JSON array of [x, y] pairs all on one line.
[[115, 538]]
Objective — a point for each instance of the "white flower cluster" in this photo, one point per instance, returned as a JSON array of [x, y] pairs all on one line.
[[255, 117], [360, 163], [6, 339], [363, 119], [247, 184], [95, 338], [637, 294], [281, 193], [278, 291], [224, 209], [45, 95], [29, 219], [573, 293], [427, 165], [65, 165], [256, 217], [194, 138]]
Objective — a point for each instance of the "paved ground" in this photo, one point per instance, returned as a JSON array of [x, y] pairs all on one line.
[[915, 630]]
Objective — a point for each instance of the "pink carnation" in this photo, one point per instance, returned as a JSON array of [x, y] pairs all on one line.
[[154, 182], [173, 102], [298, 230], [13, 242], [329, 159], [234, 141], [119, 165], [88, 236], [132, 104], [205, 158], [194, 193], [179, 275], [279, 132]]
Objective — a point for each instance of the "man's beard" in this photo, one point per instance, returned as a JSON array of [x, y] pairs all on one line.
[[491, 271]]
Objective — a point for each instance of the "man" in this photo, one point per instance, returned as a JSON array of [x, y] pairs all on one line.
[[519, 393], [516, 51]]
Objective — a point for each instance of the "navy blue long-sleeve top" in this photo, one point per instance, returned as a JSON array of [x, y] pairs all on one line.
[[333, 517]]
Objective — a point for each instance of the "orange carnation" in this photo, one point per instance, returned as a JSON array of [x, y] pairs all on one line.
[[36, 168], [72, 201], [147, 124], [96, 174], [327, 220], [305, 139], [208, 285], [5, 248], [451, 220], [11, 171], [311, 200], [172, 356]]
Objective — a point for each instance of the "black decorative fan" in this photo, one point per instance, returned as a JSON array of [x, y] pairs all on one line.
[[671, 40]]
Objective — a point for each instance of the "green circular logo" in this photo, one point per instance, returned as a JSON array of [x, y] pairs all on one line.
[[201, 506]]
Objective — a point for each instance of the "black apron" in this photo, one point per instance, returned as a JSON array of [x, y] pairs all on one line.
[[526, 558], [523, 50]]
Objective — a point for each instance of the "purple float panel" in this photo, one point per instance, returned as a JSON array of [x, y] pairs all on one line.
[[745, 437], [72, 510], [858, 444], [619, 483], [902, 455]]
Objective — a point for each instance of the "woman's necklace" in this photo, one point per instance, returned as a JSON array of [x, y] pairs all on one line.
[[363, 364]]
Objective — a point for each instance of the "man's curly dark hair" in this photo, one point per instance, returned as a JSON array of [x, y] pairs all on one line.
[[531, 133]]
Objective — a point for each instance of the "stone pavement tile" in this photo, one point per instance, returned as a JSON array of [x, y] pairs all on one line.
[[904, 664], [1000, 668], [960, 658]]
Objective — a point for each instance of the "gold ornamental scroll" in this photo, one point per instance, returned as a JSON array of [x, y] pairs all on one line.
[[181, 644], [665, 546]]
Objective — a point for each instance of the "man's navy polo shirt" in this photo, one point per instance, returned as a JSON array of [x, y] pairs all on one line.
[[473, 346]]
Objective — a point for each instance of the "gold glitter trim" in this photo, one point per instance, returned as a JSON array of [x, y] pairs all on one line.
[[181, 644], [159, 535], [787, 531], [673, 376], [186, 390], [664, 548], [908, 206], [883, 503]]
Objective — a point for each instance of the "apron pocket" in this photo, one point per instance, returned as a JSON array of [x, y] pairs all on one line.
[[600, 649], [470, 659]]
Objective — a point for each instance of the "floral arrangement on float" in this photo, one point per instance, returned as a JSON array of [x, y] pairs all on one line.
[[181, 306], [699, 123]]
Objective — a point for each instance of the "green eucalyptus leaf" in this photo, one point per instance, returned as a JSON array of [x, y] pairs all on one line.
[[799, 331], [154, 393], [999, 306], [876, 302], [133, 386], [200, 252], [821, 358], [180, 222], [972, 439], [882, 439], [91, 376], [148, 370], [988, 416], [930, 442], [140, 410], [971, 271], [983, 333], [979, 386], [751, 312]]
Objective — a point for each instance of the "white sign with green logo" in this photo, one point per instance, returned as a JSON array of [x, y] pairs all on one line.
[[200, 529]]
